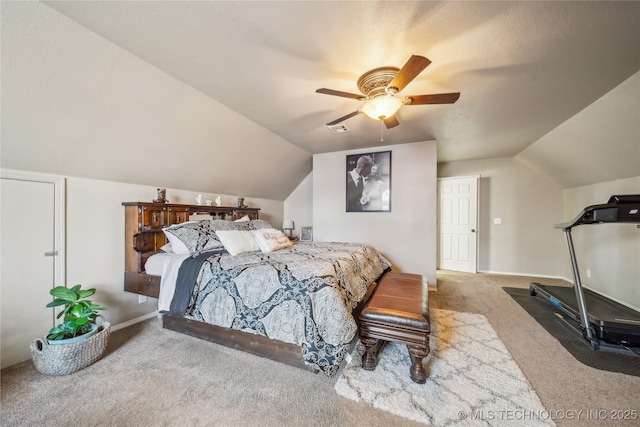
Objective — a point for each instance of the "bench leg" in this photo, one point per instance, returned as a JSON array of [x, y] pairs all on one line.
[[370, 355], [417, 371]]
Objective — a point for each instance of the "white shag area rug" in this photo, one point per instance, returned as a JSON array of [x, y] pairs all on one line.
[[472, 379]]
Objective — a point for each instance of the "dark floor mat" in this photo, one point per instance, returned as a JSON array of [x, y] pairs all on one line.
[[544, 313]]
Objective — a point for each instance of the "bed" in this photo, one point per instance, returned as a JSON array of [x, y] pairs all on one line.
[[294, 303]]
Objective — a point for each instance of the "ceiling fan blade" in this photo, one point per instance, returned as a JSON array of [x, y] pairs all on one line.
[[391, 122], [441, 98], [343, 118], [409, 71], [339, 93]]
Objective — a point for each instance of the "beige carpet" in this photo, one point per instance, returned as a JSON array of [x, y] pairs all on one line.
[[472, 378], [152, 377], [156, 377], [568, 389]]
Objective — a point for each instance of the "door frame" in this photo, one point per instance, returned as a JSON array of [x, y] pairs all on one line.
[[59, 236], [477, 219]]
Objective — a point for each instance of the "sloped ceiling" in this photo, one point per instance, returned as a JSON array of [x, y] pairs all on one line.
[[599, 144], [522, 69]]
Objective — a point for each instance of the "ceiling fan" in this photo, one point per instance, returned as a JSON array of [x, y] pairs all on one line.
[[380, 88]]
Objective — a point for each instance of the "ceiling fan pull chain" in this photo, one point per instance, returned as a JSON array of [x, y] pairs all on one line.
[[381, 130]]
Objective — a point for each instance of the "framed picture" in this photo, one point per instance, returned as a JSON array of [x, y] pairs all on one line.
[[369, 182], [306, 234]]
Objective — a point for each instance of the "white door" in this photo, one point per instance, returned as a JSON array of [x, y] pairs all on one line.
[[28, 268], [458, 202]]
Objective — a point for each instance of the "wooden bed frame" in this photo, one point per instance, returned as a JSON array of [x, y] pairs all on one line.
[[144, 237], [289, 354], [258, 345]]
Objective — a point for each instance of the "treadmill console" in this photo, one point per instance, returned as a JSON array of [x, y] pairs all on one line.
[[623, 208], [600, 215], [629, 207]]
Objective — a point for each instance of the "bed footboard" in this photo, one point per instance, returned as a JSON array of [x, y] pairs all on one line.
[[258, 345]]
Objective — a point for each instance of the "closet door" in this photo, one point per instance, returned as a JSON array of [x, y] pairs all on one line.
[[28, 262]]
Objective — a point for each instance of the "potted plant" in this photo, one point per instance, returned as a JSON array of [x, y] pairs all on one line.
[[79, 314], [78, 341]]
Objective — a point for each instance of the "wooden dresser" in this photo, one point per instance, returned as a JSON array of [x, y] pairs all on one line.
[[143, 236]]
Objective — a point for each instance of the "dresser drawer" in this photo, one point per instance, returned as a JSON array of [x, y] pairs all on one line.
[[152, 217], [239, 213], [177, 215]]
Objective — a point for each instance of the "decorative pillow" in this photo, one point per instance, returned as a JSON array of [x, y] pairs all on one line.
[[243, 219], [222, 224], [259, 224], [270, 239], [237, 242], [192, 237]]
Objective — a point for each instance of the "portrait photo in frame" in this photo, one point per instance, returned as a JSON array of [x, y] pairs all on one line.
[[306, 234], [369, 182]]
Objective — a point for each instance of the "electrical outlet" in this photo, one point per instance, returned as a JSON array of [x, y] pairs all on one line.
[[142, 299], [497, 221], [588, 274]]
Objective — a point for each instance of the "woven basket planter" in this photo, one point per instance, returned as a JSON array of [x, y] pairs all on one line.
[[65, 359]]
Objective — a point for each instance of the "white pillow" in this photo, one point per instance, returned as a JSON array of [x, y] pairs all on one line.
[[237, 242], [177, 246], [167, 248], [243, 219], [270, 239]]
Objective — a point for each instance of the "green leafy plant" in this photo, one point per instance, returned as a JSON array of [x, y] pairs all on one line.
[[78, 313]]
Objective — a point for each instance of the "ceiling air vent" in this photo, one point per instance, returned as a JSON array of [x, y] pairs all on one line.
[[335, 129]]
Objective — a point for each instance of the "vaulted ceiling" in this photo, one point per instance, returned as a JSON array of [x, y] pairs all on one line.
[[522, 68]]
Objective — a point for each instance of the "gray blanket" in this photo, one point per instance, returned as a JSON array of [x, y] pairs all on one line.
[[302, 295], [187, 275]]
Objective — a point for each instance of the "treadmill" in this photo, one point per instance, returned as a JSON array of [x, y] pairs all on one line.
[[604, 323]]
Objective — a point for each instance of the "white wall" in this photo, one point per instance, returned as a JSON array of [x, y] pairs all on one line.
[[299, 205], [610, 251], [528, 204], [95, 238], [406, 236], [75, 104]]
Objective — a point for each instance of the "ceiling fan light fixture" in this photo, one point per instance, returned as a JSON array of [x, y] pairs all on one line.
[[382, 107], [381, 88]]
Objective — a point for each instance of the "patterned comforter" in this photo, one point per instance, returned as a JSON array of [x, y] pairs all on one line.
[[303, 295]]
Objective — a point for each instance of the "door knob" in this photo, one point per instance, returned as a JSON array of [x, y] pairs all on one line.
[[473, 230]]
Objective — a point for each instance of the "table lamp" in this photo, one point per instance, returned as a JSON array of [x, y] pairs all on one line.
[[287, 226]]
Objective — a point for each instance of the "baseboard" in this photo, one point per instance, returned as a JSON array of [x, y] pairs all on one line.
[[134, 321], [545, 276]]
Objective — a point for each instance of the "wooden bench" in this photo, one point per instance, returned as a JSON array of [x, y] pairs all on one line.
[[397, 311]]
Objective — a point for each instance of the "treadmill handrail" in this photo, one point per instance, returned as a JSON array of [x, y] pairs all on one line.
[[623, 208]]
